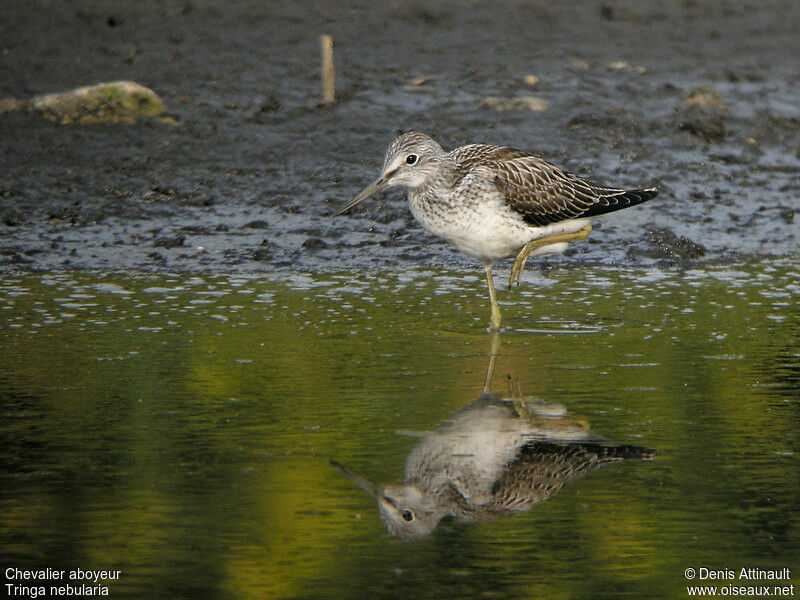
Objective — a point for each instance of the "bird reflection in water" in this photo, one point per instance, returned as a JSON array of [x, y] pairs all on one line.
[[497, 457]]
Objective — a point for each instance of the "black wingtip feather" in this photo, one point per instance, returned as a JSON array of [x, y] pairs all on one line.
[[618, 201]]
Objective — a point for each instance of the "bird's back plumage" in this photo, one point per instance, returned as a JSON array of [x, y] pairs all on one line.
[[540, 192]]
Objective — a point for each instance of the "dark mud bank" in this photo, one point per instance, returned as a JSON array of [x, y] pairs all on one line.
[[249, 177]]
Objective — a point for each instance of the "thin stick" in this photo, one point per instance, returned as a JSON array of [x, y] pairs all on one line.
[[326, 48]]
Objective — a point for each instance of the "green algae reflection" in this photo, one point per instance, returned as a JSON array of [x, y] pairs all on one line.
[[179, 428]]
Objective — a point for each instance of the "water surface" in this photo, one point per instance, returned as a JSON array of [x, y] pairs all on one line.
[[180, 428]]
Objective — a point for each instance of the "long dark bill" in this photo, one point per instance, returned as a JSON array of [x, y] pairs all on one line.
[[364, 484], [373, 188]]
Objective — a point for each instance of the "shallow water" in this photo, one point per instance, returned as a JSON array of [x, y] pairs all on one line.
[[179, 428]]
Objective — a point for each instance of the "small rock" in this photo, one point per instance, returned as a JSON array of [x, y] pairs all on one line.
[[170, 242], [664, 243], [530, 80], [10, 220], [709, 127], [418, 88], [119, 101], [269, 105], [158, 194], [157, 257], [262, 254], [531, 103], [701, 113], [614, 13], [196, 229], [534, 103], [704, 96], [313, 243], [579, 65], [265, 251], [257, 224], [418, 85], [394, 240], [617, 122], [621, 65]]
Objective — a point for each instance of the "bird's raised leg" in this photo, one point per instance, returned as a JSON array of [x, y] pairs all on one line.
[[530, 247], [495, 323]]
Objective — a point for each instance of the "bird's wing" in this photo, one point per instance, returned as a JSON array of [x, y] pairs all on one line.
[[541, 192], [542, 468]]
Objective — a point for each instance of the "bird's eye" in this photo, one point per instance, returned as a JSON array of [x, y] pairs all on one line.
[[407, 515], [411, 159]]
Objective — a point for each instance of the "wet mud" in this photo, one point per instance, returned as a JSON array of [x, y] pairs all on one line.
[[248, 178]]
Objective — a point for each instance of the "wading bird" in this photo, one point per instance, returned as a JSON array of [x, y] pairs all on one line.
[[494, 202]]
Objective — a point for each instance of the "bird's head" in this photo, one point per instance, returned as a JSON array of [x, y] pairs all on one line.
[[412, 160], [406, 512]]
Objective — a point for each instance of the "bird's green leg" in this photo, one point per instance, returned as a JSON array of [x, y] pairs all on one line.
[[495, 324], [493, 349], [530, 247]]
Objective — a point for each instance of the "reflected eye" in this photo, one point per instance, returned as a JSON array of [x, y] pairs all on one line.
[[407, 515], [411, 159]]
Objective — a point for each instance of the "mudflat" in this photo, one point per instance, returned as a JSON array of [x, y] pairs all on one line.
[[699, 99]]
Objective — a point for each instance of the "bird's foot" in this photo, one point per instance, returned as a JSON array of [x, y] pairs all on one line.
[[582, 234], [522, 256], [520, 260], [522, 409]]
